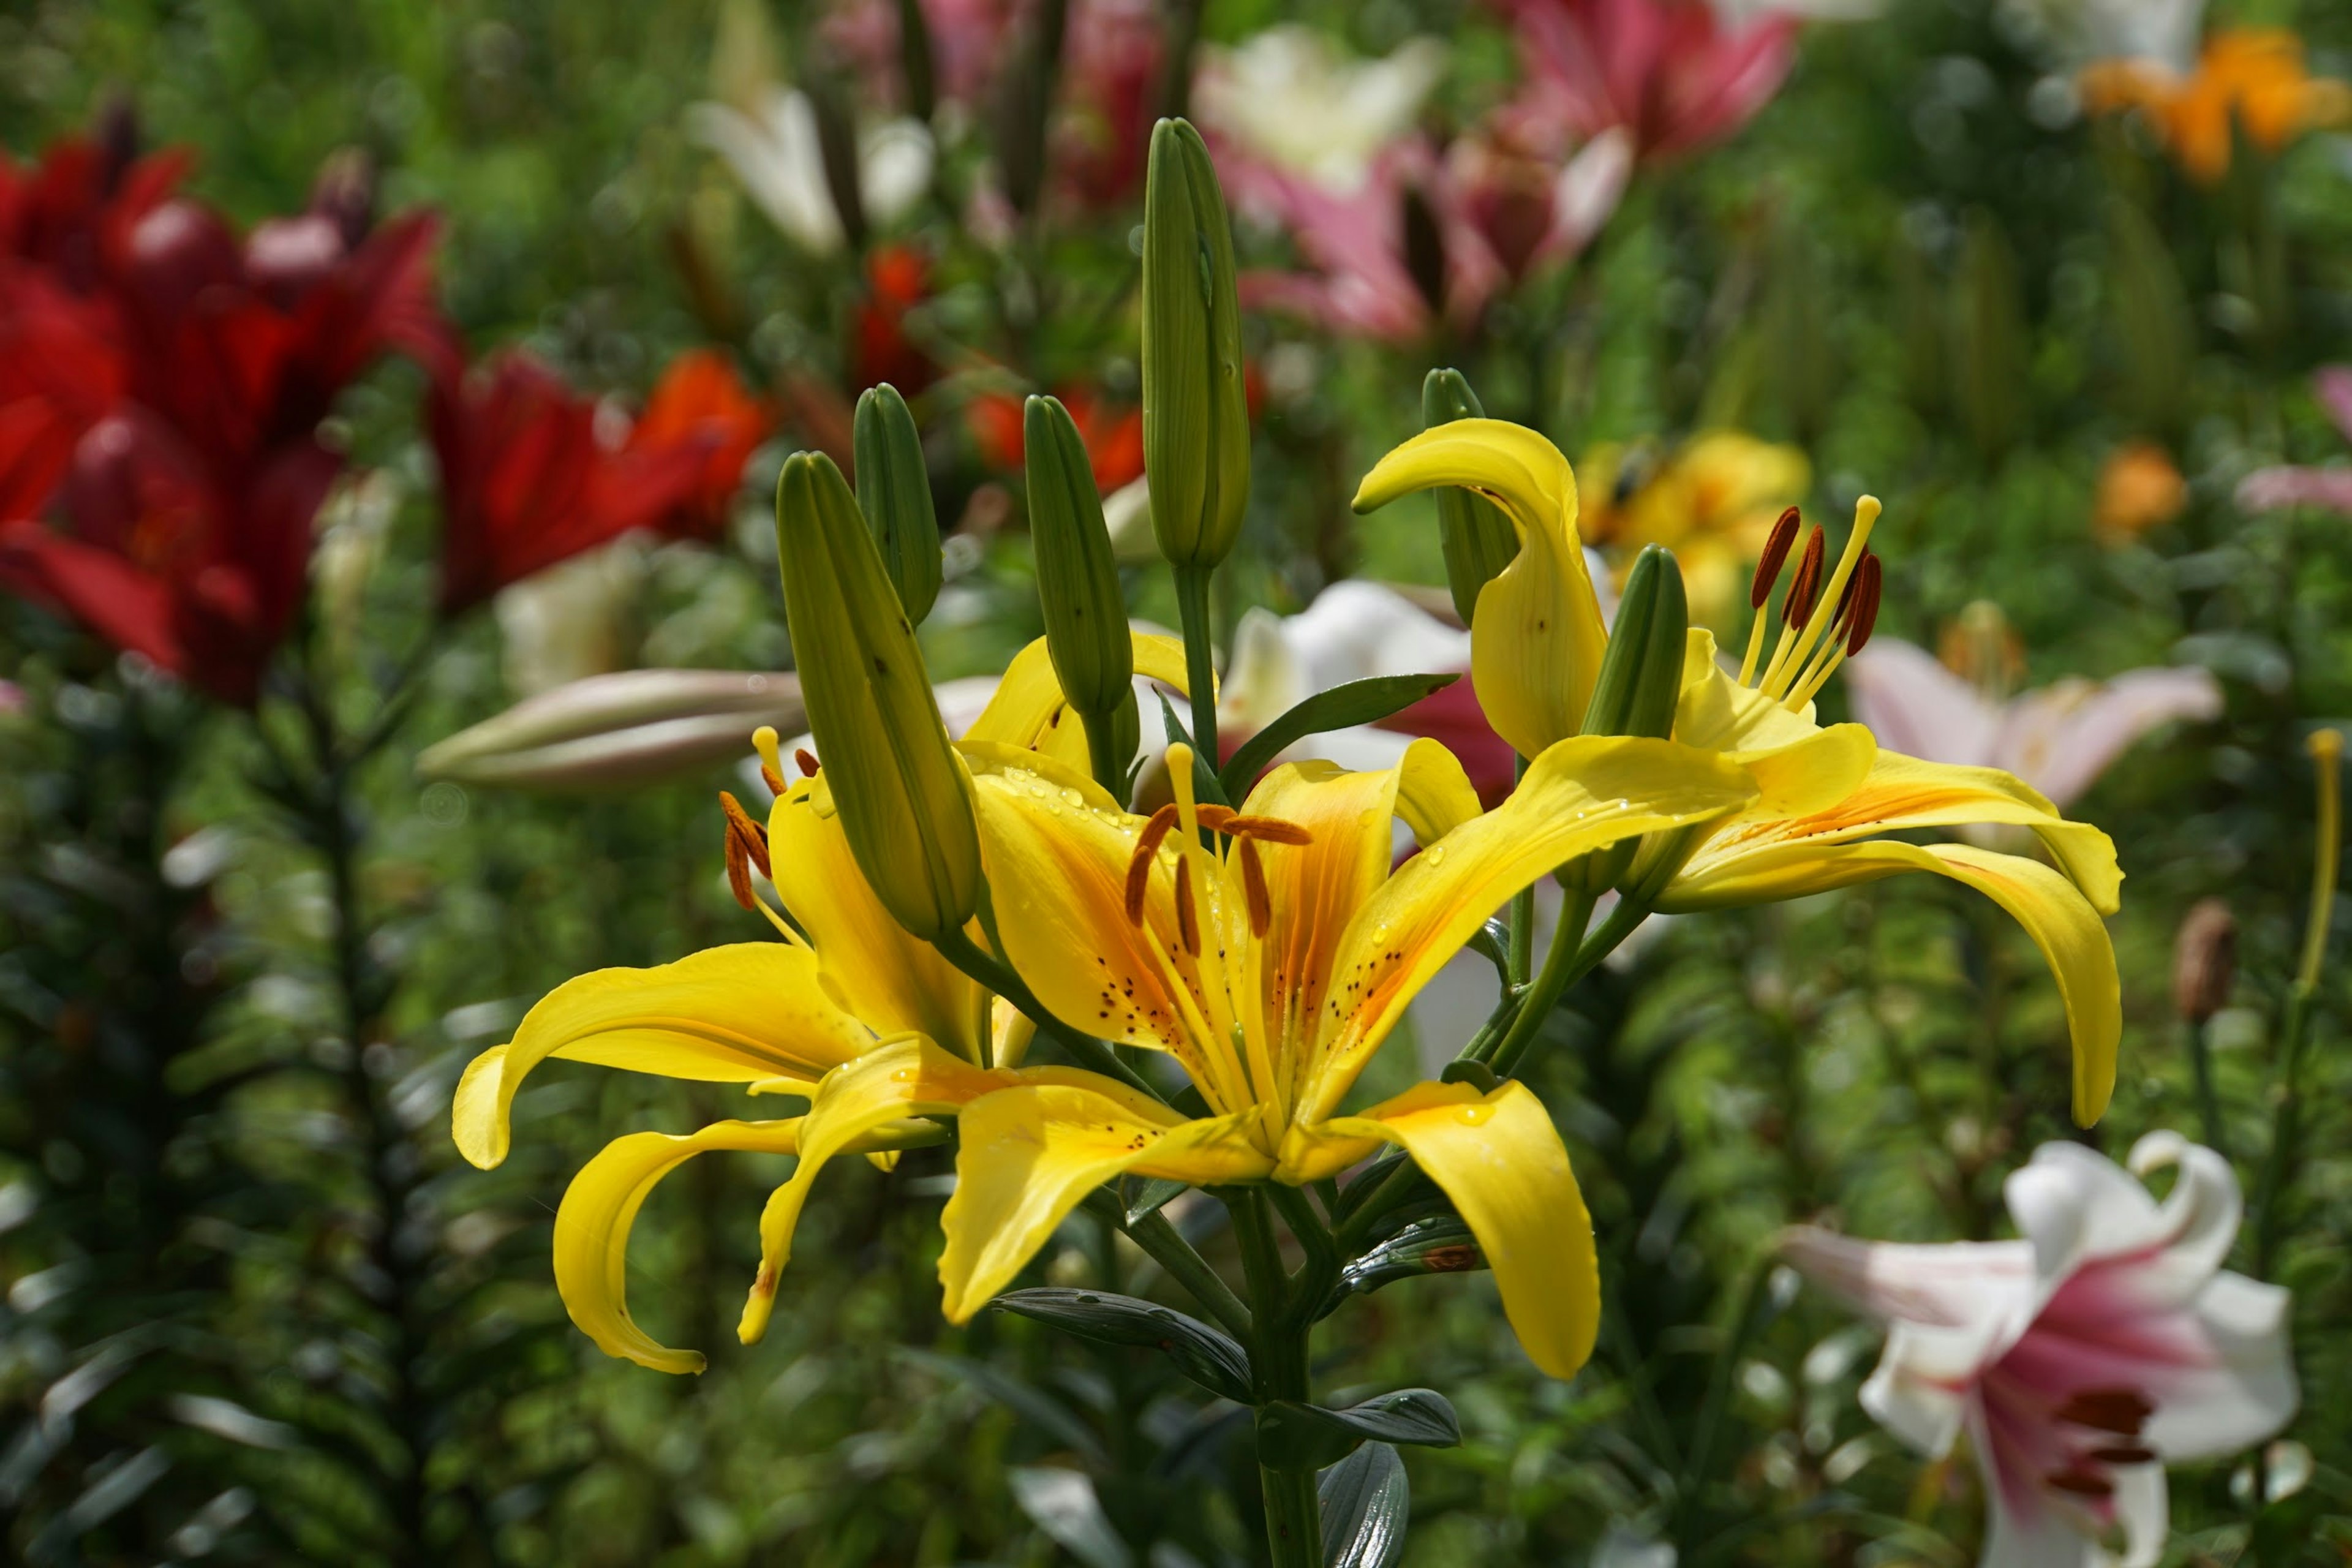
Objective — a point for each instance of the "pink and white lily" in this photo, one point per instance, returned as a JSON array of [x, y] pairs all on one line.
[[2288, 485], [2103, 1344], [2059, 738]]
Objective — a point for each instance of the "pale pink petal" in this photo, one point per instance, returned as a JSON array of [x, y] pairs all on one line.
[[2143, 1506], [1587, 193], [1914, 706], [2334, 386], [2275, 489], [2246, 1392], [2062, 738], [2073, 1204], [2026, 1526]]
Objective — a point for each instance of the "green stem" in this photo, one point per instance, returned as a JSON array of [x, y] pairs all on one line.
[[1102, 753], [1690, 1495], [1294, 1529], [1088, 1052], [1168, 1248], [1200, 659], [2286, 1132], [2208, 1099], [1569, 962], [1523, 915]]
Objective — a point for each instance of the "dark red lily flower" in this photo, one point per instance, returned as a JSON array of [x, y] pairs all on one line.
[[68, 211], [527, 480], [700, 399], [61, 373]]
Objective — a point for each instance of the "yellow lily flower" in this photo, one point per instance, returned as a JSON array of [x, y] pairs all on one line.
[[1711, 501], [1827, 795], [775, 1016], [1270, 967]]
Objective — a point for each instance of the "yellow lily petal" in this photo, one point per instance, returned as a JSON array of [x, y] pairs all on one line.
[[1798, 767], [1500, 1159], [743, 1013], [1536, 640], [2061, 920], [1028, 708], [1030, 1153], [1579, 795], [591, 1229], [869, 965], [1434, 796]]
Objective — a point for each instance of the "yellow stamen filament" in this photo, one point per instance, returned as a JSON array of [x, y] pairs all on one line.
[[772, 761], [1850, 629], [1780, 676], [1798, 601], [2327, 748]]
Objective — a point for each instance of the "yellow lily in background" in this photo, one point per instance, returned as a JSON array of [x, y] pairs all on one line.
[[1711, 501], [1826, 794], [1271, 967]]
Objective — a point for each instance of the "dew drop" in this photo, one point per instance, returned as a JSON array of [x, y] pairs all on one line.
[[1437, 856], [1072, 797]]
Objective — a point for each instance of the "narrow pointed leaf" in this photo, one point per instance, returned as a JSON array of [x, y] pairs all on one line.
[[1367, 1503], [1208, 1356], [1292, 1436], [1357, 702]]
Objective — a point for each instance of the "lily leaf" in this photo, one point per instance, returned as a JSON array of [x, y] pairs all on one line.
[[1210, 1357], [1206, 784], [1357, 702], [1143, 1196], [1440, 1245], [1047, 1413], [1292, 1436], [1367, 1503]]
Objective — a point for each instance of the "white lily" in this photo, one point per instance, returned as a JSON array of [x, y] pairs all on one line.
[[2081, 1359], [1289, 98], [2059, 738], [776, 156], [566, 622]]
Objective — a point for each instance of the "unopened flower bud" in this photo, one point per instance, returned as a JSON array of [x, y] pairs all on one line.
[[1078, 581], [1640, 680], [904, 800], [1195, 416], [894, 492], [1478, 540], [2204, 960], [610, 731]]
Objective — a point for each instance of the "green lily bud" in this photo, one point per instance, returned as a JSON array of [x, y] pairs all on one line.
[[1078, 581], [1642, 674], [1640, 681], [894, 492], [1477, 538], [1195, 419], [904, 800]]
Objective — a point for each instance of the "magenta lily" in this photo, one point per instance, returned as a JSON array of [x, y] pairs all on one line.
[[2287, 485], [1679, 74]]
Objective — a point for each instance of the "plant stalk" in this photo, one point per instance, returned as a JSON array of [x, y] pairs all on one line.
[[1200, 659]]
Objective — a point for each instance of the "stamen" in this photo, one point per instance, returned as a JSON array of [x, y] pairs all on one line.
[[1188, 919], [1793, 658], [1797, 609], [2123, 1411], [1775, 556], [808, 762], [2131, 1455], [1139, 868], [1261, 902], [771, 764], [1215, 818], [2082, 1483], [1271, 830], [1867, 586], [747, 845]]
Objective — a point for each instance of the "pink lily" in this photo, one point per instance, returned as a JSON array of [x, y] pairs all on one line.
[[2081, 1359], [2059, 738], [1680, 75], [2277, 488]]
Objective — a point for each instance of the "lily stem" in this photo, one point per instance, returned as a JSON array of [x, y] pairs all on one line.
[[1690, 1495], [1166, 1245], [1570, 960], [2208, 1099], [1294, 1527], [1522, 957], [1200, 659]]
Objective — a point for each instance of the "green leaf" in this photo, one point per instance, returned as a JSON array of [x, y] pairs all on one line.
[[1210, 1357], [1441, 1245], [1206, 787], [1292, 1436], [1357, 702], [1367, 1503], [1048, 1415], [1143, 1196]]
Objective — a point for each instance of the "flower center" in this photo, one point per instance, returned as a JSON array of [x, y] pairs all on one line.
[[1822, 624]]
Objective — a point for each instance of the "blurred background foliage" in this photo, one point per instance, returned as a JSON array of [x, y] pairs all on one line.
[[257, 1311]]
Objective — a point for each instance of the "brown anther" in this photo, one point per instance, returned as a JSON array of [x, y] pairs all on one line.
[[1806, 586], [1269, 830], [1864, 617], [808, 762], [2125, 1455], [772, 778], [2082, 1483], [746, 846], [1215, 818], [1188, 919], [1775, 556], [1139, 868], [2123, 1411], [1261, 902]]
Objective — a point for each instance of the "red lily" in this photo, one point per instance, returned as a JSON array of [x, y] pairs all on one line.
[[68, 211], [700, 399], [1112, 432], [1671, 71], [528, 478], [897, 278]]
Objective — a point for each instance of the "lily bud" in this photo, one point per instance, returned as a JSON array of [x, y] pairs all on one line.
[[904, 797], [1195, 419], [2204, 960], [611, 731], [1640, 680], [1478, 540], [1642, 674], [894, 492], [1078, 581]]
